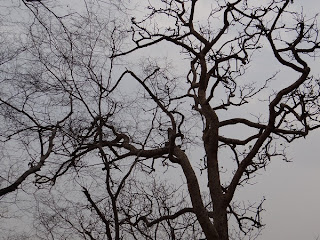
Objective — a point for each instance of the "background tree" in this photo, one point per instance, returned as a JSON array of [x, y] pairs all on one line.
[[28, 129], [115, 132]]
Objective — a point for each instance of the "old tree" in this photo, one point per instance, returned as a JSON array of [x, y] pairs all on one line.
[[133, 120]]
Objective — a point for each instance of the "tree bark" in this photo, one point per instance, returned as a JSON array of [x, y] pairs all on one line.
[[195, 195]]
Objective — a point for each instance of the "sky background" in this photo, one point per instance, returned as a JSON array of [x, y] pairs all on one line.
[[292, 192]]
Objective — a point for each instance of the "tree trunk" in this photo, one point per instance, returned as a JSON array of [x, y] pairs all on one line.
[[194, 190], [221, 223]]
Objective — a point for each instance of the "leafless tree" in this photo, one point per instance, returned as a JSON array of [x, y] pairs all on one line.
[[28, 130], [117, 135]]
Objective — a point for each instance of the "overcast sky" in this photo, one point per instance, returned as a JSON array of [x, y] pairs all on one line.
[[291, 190], [292, 193]]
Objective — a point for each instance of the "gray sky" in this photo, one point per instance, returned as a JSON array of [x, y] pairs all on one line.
[[292, 193], [291, 189], [292, 209]]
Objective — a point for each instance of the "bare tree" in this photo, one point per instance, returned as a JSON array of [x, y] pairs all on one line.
[[218, 56], [28, 131], [116, 135]]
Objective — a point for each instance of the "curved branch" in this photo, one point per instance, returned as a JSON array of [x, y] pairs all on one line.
[[12, 187]]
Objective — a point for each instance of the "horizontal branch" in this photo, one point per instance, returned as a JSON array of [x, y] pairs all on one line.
[[163, 218], [259, 126]]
